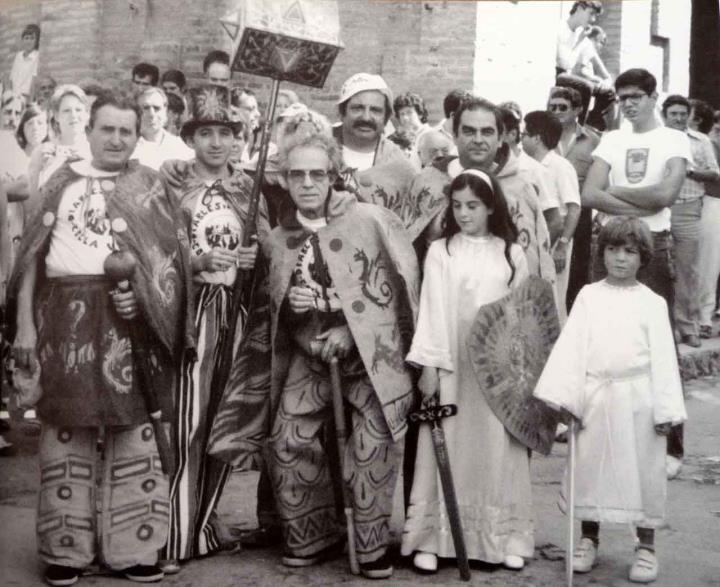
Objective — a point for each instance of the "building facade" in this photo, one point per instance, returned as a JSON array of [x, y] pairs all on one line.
[[501, 49]]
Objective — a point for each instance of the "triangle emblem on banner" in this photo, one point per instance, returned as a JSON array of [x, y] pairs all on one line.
[[295, 13]]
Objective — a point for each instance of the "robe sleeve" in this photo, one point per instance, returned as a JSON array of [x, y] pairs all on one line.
[[563, 380], [669, 405], [431, 343], [522, 271]]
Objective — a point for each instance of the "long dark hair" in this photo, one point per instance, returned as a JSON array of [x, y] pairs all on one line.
[[500, 223]]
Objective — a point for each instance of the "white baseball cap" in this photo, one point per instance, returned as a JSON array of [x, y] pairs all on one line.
[[362, 82]]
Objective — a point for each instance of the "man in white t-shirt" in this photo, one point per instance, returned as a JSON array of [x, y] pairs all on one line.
[[156, 144], [640, 173], [25, 66], [541, 137]]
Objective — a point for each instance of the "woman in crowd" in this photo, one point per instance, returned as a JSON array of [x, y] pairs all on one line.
[[69, 111]]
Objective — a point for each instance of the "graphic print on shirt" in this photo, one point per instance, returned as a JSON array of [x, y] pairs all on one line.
[[636, 163], [88, 217], [214, 224], [315, 275]]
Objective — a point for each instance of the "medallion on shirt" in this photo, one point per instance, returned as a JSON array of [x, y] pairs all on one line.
[[88, 215], [315, 275], [636, 163], [215, 224]]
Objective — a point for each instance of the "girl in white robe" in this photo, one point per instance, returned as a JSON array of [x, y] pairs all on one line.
[[475, 264], [614, 368]]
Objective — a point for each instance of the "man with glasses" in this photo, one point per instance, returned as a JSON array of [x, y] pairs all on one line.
[[640, 173], [156, 144], [577, 143], [571, 34]]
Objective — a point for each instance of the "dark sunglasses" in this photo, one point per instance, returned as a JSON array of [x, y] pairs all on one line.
[[558, 107]]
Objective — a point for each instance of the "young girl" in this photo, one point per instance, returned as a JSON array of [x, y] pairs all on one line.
[[475, 264], [614, 369]]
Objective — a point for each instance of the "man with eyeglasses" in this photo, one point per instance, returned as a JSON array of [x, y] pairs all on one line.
[[156, 144], [571, 35], [639, 172], [577, 143]]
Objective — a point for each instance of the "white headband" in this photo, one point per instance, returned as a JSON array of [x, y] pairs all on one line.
[[481, 174]]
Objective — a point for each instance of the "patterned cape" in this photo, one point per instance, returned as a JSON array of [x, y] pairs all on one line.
[[429, 198], [387, 183], [154, 235], [375, 274]]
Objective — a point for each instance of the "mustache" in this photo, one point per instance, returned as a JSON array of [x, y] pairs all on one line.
[[365, 124]]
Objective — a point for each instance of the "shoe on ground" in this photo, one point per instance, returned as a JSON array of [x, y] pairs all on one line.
[[585, 556], [514, 562], [328, 553], [425, 562], [692, 340], [378, 569], [262, 537], [645, 567], [561, 433], [672, 466], [58, 575], [143, 573], [169, 566], [706, 331]]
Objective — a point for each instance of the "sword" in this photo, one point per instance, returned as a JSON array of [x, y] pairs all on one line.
[[432, 413]]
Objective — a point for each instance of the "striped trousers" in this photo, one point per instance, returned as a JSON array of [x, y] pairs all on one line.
[[198, 480]]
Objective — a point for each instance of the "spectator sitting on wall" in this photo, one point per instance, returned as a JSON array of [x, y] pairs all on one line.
[[25, 66], [216, 67], [570, 35], [589, 65], [144, 75]]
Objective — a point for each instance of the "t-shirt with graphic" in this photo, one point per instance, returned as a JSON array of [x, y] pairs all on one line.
[[214, 225], [81, 236], [309, 273], [640, 159]]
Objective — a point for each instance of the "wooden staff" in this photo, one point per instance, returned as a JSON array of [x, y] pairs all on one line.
[[120, 266], [570, 503], [221, 375], [341, 435]]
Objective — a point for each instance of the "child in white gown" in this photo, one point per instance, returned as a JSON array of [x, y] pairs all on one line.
[[614, 368]]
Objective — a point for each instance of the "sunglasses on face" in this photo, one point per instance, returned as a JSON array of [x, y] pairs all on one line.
[[299, 175], [558, 107]]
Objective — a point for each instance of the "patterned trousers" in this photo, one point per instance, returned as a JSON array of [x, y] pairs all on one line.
[[299, 467], [133, 519]]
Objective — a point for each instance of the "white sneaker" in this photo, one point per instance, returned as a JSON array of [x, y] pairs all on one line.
[[672, 466], [584, 556], [645, 567], [513, 562], [425, 562]]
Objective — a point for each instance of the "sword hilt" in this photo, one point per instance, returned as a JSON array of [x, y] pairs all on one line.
[[433, 413]]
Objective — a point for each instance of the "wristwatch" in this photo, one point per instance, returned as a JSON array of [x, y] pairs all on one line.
[[564, 240]]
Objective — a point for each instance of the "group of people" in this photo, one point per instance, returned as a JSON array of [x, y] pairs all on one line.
[[372, 249]]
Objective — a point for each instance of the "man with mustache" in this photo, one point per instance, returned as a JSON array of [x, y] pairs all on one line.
[[640, 173], [375, 169]]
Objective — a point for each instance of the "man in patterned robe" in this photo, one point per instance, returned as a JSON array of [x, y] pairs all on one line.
[[73, 327]]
